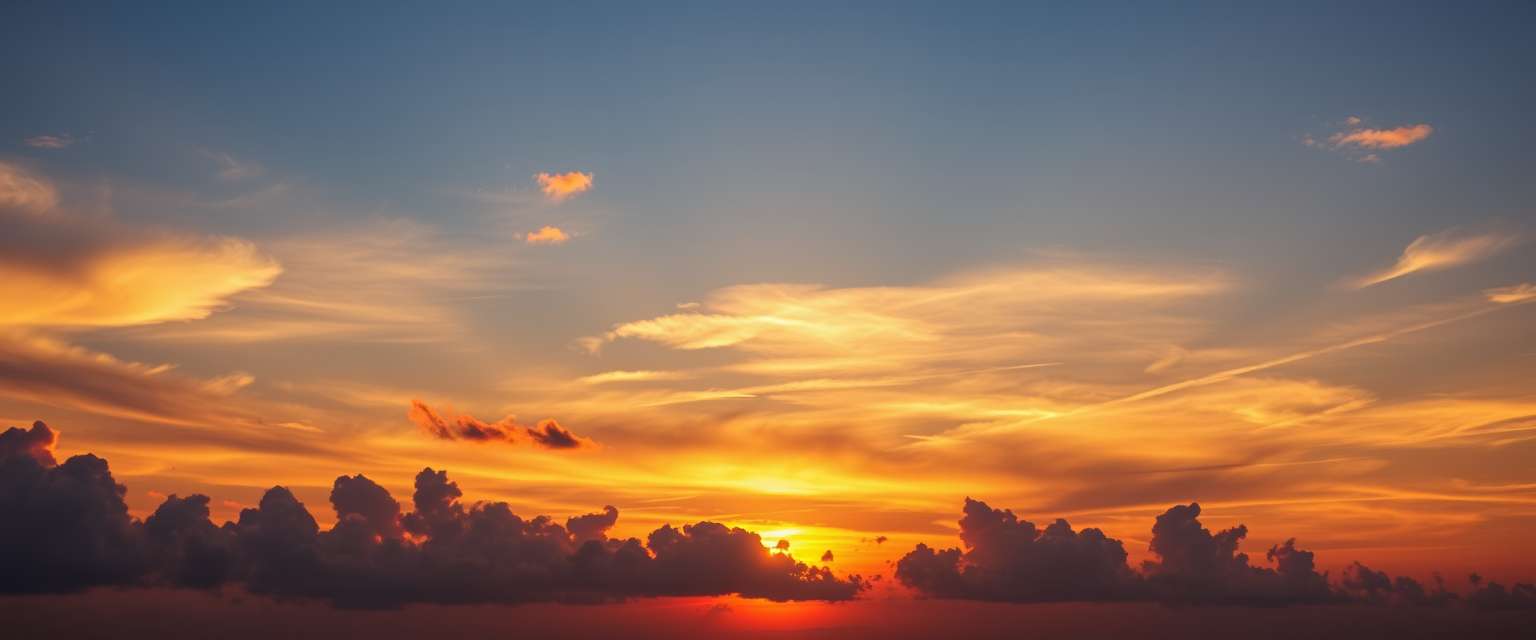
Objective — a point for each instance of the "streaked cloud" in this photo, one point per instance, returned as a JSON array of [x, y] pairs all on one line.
[[60, 141], [1438, 251], [1512, 294], [610, 377], [547, 433], [547, 235], [23, 193], [1363, 143], [67, 270], [1393, 138], [560, 186], [231, 168]]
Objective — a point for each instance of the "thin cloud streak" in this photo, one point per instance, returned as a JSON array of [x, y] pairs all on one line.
[[1439, 251]]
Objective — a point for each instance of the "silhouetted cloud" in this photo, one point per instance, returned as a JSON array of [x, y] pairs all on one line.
[[62, 527], [548, 434], [1011, 560], [66, 527]]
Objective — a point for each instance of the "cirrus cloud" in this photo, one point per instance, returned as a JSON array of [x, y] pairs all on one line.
[[1437, 251]]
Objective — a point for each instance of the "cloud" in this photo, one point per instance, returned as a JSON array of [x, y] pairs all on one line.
[[1513, 294], [611, 377], [547, 235], [1012, 560], [547, 434], [233, 169], [1381, 138], [68, 529], [23, 193], [559, 186], [1363, 143], [68, 270], [60, 141], [1438, 251]]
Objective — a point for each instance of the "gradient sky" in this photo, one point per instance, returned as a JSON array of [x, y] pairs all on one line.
[[819, 271]]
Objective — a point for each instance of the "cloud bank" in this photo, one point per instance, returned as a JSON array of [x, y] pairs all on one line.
[[1012, 560], [65, 527]]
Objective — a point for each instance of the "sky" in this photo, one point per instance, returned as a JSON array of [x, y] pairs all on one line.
[[821, 271]]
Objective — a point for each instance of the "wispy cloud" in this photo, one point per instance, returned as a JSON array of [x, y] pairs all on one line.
[[547, 235], [560, 186], [1437, 251], [24, 193], [232, 168], [1364, 144], [60, 141]]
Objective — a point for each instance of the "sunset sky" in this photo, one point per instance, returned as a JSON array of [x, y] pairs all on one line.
[[819, 272]]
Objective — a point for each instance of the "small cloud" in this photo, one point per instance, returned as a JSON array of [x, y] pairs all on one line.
[[827, 557], [548, 434], [60, 141], [1356, 138], [232, 168], [559, 186], [685, 306], [1382, 138], [1523, 292], [1439, 251], [547, 235], [607, 377]]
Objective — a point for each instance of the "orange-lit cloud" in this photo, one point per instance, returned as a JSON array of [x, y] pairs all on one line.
[[1439, 251], [1523, 292], [1355, 137], [1382, 138], [547, 235], [559, 186]]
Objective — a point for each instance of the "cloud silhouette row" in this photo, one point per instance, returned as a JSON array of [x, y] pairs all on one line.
[[65, 527], [1011, 560]]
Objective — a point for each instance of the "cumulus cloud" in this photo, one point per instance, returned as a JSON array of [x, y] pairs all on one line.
[[559, 186], [1013, 560], [547, 235], [547, 434], [46, 141], [1008, 559], [66, 528], [1438, 251]]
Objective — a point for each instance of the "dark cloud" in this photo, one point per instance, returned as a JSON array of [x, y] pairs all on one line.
[[63, 527], [66, 527], [1012, 560], [827, 557], [548, 434], [1008, 559], [1196, 565]]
